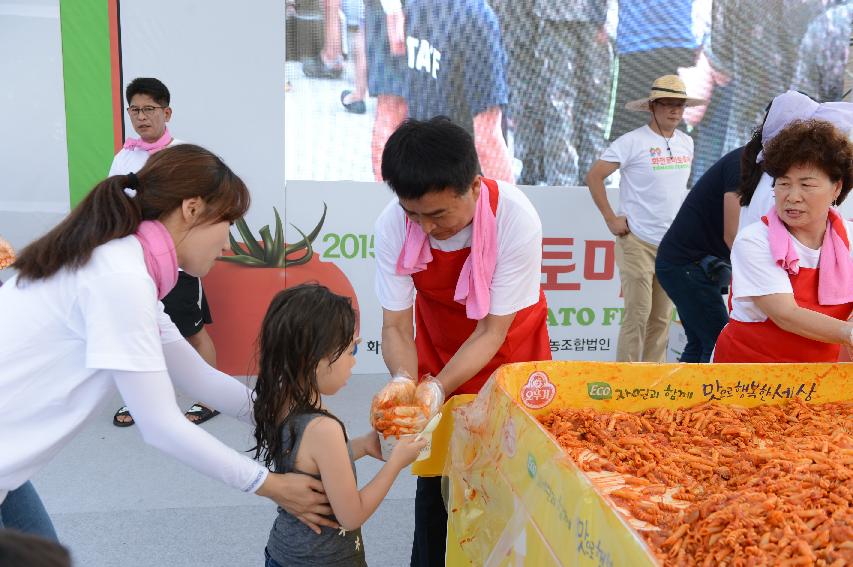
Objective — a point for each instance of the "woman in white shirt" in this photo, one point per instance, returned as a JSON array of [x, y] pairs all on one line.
[[82, 316], [792, 272]]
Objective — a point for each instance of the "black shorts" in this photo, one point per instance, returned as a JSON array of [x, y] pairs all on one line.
[[186, 305]]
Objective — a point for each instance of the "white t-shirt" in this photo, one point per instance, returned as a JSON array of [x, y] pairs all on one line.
[[66, 340], [754, 273], [127, 161], [516, 281], [652, 185]]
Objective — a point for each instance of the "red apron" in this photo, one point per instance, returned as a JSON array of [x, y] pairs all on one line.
[[766, 342], [441, 325]]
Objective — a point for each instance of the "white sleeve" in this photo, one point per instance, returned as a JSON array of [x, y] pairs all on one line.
[[754, 273], [200, 381], [150, 398], [169, 332], [518, 272], [391, 6], [395, 292], [617, 151], [125, 338]]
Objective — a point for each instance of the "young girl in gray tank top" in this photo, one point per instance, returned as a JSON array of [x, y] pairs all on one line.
[[307, 349]]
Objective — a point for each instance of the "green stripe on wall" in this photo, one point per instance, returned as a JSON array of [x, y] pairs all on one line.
[[88, 96]]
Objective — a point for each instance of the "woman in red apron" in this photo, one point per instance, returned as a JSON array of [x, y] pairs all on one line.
[[792, 273], [461, 256]]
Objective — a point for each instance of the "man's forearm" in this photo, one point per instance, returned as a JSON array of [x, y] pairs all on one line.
[[599, 197], [399, 352], [471, 357]]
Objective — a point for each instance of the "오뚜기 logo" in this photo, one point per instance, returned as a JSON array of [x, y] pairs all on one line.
[[538, 392]]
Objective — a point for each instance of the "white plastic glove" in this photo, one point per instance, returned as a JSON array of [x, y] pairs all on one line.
[[430, 395]]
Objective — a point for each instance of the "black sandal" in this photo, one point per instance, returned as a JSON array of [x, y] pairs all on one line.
[[200, 413], [123, 412]]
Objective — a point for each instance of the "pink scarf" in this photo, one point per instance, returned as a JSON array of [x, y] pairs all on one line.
[[835, 283], [472, 287], [150, 147], [160, 257]]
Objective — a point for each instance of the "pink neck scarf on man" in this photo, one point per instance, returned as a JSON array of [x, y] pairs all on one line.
[[150, 147], [835, 282], [161, 259], [475, 279]]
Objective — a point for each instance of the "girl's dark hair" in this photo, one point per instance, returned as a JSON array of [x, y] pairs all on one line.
[[812, 142], [750, 170], [167, 179], [303, 325]]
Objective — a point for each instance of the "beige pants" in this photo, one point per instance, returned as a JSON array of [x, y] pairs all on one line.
[[648, 310]]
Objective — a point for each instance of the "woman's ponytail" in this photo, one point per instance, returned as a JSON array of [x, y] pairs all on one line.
[[107, 212], [116, 206]]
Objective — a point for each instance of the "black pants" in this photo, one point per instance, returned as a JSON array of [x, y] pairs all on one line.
[[428, 548]]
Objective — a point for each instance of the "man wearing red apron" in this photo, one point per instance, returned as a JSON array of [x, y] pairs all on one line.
[[461, 256]]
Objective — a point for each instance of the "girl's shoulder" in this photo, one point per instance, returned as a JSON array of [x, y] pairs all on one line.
[[320, 426], [321, 434]]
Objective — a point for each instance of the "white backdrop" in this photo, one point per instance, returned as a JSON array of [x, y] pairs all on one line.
[[33, 154], [223, 63]]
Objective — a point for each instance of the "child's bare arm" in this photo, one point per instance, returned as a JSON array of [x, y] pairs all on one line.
[[324, 442], [367, 444]]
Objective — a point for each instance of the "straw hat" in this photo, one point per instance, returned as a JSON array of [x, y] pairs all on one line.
[[668, 86]]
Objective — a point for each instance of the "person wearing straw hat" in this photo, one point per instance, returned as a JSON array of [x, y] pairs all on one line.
[[654, 164]]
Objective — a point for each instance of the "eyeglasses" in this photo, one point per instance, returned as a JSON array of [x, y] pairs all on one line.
[[671, 104], [146, 110]]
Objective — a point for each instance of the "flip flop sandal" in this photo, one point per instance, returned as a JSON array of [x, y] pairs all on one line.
[[200, 413], [123, 412], [356, 106]]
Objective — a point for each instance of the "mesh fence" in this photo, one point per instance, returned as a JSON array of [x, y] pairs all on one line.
[[542, 85]]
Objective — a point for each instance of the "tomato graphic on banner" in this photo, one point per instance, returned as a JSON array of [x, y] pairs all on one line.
[[241, 286]]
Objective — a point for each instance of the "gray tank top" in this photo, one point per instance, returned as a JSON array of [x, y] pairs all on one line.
[[292, 543]]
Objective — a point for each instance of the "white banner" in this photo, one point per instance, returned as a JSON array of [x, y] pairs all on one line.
[[579, 273]]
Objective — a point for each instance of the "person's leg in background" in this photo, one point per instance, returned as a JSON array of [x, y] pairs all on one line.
[[329, 63], [557, 80], [353, 100], [195, 315], [660, 316], [593, 82], [430, 541], [385, 75], [632, 259], [700, 307], [22, 510], [525, 68]]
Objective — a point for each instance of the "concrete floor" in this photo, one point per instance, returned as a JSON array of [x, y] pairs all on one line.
[[116, 501]]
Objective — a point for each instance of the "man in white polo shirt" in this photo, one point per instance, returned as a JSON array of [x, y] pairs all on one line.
[[186, 305], [654, 164]]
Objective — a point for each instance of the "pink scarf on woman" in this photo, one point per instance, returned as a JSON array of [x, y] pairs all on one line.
[[161, 259], [475, 279], [150, 147], [835, 283]]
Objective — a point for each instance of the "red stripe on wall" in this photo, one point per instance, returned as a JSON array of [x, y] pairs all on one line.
[[115, 72]]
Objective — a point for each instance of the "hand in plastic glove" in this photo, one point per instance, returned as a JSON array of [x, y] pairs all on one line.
[[430, 395], [7, 254], [400, 391]]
